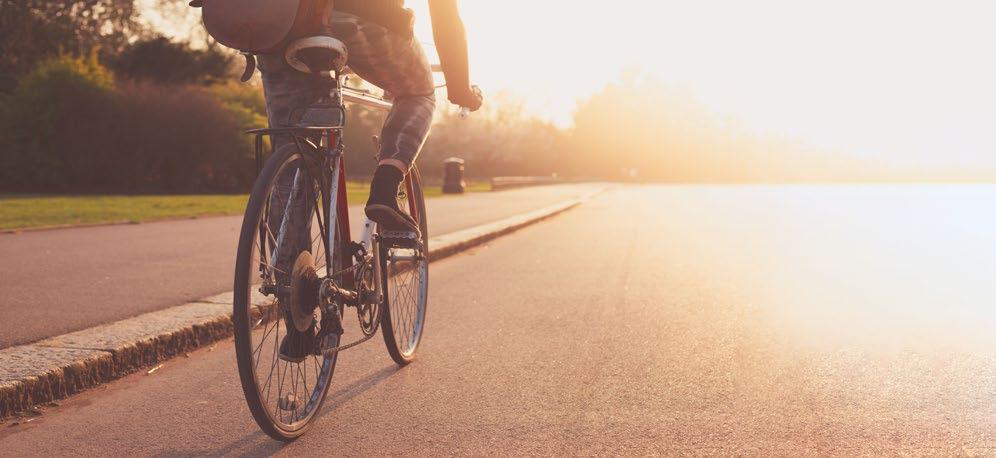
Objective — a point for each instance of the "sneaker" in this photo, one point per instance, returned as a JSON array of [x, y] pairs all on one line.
[[296, 345], [391, 218], [382, 207]]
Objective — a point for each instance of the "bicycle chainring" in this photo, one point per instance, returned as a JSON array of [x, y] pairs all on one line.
[[368, 308]]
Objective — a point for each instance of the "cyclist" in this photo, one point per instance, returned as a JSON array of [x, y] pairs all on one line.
[[383, 50]]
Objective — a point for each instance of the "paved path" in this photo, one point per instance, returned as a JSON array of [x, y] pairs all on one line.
[[730, 321], [53, 282]]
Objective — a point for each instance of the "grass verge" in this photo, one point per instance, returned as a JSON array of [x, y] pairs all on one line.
[[36, 211]]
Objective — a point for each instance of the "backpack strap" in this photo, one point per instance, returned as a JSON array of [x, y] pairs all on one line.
[[250, 67]]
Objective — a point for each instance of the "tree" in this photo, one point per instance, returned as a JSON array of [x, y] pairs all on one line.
[[161, 60], [665, 135], [33, 30], [69, 127], [501, 139]]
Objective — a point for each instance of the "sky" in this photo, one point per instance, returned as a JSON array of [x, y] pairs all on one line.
[[907, 82], [911, 83]]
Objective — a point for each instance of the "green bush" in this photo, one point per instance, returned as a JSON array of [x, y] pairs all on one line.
[[244, 101], [33, 116], [161, 60], [68, 71], [68, 128], [35, 30]]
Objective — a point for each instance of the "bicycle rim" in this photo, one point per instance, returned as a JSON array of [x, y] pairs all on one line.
[[283, 396], [405, 281]]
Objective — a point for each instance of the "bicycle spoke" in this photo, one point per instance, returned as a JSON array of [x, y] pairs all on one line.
[[314, 360], [405, 301], [289, 218], [321, 228], [262, 341], [292, 396], [259, 349], [269, 377], [271, 268], [303, 368]]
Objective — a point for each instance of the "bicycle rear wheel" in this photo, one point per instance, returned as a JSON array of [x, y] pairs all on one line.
[[285, 216], [405, 279]]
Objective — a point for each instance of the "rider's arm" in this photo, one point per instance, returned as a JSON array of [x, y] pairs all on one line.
[[451, 43]]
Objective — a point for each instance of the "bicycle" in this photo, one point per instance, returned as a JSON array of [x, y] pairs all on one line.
[[296, 253]]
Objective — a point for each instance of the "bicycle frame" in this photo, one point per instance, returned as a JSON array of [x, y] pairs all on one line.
[[301, 195], [330, 151]]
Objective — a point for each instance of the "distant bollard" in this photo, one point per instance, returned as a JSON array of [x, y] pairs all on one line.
[[453, 176]]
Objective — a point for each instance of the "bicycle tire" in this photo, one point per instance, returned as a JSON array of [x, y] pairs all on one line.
[[245, 315], [404, 323]]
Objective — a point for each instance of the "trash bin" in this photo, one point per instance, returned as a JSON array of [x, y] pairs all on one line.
[[453, 176]]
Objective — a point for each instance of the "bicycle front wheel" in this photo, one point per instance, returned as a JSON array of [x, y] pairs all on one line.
[[285, 217], [405, 279]]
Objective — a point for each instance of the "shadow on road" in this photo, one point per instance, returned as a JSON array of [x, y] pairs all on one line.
[[257, 443], [350, 391]]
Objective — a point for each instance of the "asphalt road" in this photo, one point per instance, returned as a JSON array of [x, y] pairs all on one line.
[[53, 282], [698, 320]]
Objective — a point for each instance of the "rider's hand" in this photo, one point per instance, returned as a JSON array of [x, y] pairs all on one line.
[[471, 97]]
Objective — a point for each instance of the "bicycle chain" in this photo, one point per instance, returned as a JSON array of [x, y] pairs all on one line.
[[330, 352]]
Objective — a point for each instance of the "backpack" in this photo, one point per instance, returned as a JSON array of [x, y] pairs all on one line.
[[262, 26]]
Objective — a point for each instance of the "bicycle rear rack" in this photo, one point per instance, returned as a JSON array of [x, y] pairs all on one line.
[[300, 135]]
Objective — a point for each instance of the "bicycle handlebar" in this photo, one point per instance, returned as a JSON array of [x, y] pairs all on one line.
[[464, 111], [368, 100], [362, 98]]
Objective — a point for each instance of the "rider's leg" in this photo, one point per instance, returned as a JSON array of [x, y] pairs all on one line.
[[404, 133], [393, 62], [398, 65], [288, 91]]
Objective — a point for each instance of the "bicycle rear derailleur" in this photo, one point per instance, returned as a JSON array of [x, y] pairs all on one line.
[[309, 293]]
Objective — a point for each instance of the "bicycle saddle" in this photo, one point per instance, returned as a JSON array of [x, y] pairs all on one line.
[[317, 54]]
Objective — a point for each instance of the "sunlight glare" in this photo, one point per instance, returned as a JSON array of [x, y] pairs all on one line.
[[910, 83]]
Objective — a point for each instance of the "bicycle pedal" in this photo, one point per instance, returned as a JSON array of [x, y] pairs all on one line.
[[370, 297], [402, 239], [399, 235]]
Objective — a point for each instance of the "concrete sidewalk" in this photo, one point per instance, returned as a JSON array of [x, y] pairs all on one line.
[[60, 281]]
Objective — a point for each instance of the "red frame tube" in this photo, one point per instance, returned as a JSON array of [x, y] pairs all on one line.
[[342, 207], [409, 190]]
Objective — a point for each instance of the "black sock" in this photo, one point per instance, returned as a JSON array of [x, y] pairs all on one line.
[[384, 187]]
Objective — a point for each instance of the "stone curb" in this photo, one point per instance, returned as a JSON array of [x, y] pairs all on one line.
[[39, 373]]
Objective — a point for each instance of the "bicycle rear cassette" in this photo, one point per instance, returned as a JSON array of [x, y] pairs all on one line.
[[304, 287]]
